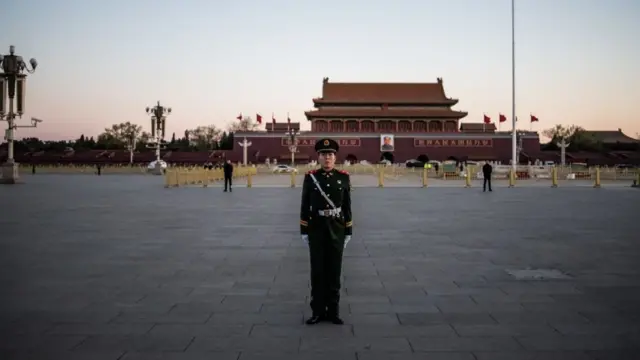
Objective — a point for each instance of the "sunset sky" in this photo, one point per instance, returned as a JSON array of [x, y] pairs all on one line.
[[103, 62]]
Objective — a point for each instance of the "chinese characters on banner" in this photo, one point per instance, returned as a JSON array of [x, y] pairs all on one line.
[[453, 143], [312, 142]]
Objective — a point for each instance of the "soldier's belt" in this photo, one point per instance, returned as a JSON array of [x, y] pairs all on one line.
[[330, 212]]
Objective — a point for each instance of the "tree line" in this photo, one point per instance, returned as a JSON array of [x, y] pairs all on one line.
[[581, 140], [129, 136]]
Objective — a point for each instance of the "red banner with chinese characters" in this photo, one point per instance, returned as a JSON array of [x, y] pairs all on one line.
[[312, 142], [453, 142]]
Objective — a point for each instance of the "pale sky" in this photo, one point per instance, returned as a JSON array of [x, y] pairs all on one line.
[[103, 62]]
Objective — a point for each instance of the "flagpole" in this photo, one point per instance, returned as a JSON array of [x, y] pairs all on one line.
[[514, 140]]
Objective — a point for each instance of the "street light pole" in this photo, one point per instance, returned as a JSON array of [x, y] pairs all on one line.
[[13, 82], [514, 139], [293, 145], [158, 125], [131, 146]]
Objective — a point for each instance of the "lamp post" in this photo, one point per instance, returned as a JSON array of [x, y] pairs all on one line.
[[158, 115], [514, 139], [12, 86], [131, 147], [293, 145]]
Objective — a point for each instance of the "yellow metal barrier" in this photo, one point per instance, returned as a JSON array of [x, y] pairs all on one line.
[[82, 169], [387, 176], [175, 177], [425, 178]]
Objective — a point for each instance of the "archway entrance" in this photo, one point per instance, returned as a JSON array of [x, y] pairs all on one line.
[[387, 156], [351, 158], [423, 158]]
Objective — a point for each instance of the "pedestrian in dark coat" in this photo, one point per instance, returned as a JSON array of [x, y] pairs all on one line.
[[228, 175], [487, 169]]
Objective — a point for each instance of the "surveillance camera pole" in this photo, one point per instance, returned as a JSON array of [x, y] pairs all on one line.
[[158, 125], [12, 83]]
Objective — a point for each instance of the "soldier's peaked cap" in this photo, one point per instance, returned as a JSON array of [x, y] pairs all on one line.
[[327, 145]]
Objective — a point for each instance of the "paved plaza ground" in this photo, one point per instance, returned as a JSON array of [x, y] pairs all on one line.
[[118, 267]]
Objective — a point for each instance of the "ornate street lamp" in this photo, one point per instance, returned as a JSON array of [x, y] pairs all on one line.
[[13, 82], [158, 115]]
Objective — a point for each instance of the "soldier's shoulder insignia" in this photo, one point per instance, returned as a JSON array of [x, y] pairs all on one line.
[[345, 172], [312, 172]]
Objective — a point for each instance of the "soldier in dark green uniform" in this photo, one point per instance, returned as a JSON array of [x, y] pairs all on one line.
[[326, 226]]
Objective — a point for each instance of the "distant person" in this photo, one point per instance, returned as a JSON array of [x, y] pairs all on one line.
[[99, 168], [228, 175], [386, 144], [487, 169]]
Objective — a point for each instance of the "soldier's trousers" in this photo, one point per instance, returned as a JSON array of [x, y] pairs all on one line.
[[325, 252], [227, 181]]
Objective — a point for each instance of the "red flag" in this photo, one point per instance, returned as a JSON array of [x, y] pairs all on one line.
[[239, 117], [487, 120], [503, 118], [534, 119], [259, 118]]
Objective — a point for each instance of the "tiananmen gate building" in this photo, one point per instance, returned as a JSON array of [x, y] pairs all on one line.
[[394, 121]]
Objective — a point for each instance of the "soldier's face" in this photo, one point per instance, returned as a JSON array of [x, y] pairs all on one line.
[[327, 159]]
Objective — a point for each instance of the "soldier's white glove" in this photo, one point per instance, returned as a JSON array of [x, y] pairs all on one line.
[[346, 240], [305, 238]]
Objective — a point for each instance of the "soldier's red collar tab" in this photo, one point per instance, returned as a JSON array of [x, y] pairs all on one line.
[[312, 172], [343, 172]]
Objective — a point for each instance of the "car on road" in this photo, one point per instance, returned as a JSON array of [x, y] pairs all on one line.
[[414, 163], [279, 169]]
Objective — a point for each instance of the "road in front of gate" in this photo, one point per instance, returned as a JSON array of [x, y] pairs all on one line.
[[118, 267]]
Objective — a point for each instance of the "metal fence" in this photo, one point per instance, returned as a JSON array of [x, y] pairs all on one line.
[[373, 175]]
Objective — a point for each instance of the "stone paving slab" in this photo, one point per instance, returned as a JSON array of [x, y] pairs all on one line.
[[120, 268]]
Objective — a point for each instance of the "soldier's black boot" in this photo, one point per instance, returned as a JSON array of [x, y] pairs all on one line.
[[333, 316], [314, 319]]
